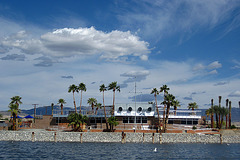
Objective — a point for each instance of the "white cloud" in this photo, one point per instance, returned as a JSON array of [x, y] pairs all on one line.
[[213, 72], [234, 94], [162, 18], [214, 65], [82, 41]]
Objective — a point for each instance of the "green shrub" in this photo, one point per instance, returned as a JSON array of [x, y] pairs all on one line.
[[194, 127], [233, 127]]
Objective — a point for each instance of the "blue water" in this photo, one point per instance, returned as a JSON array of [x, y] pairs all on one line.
[[51, 150]]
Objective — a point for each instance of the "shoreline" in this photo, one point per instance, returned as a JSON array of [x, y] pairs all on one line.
[[232, 136]]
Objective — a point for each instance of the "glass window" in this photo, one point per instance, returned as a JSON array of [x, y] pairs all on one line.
[[131, 119], [144, 119], [125, 119], [138, 119]]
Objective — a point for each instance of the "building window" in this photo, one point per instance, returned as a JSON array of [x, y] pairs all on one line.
[[138, 119], [125, 119], [131, 119], [144, 119]]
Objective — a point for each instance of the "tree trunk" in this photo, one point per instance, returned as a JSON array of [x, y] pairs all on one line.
[[113, 102], [80, 111], [230, 114], [74, 102], [61, 109], [219, 121], [157, 111], [166, 120], [226, 121], [105, 112], [211, 120], [216, 120], [164, 116]]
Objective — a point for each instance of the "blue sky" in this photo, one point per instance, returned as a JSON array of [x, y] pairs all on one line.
[[192, 46]]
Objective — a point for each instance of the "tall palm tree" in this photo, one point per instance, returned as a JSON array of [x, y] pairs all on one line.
[[16, 100], [169, 101], [176, 104], [73, 88], [98, 105], [219, 99], [61, 101], [212, 113], [13, 108], [216, 111], [81, 87], [223, 112], [113, 86], [92, 102], [165, 90], [230, 114], [103, 88], [156, 92], [192, 106], [227, 101], [209, 112], [52, 105]]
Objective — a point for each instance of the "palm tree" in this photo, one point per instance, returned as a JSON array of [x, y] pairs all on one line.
[[192, 106], [16, 100], [176, 104], [73, 88], [227, 101], [113, 86], [209, 112], [212, 113], [165, 90], [14, 111], [98, 105], [81, 87], [92, 102], [219, 99], [52, 105], [216, 110], [223, 112], [76, 120], [61, 101], [169, 101], [112, 122], [103, 88], [230, 114], [156, 92]]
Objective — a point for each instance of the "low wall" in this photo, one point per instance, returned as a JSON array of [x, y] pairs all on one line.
[[115, 137]]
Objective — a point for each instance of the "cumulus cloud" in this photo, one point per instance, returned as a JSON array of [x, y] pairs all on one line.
[[68, 42], [214, 65], [135, 76], [234, 94]]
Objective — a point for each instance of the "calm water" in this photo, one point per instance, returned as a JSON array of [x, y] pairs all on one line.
[[50, 150]]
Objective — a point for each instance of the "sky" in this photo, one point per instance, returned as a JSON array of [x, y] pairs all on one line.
[[191, 46]]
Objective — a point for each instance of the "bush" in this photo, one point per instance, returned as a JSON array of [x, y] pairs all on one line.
[[233, 127], [194, 127]]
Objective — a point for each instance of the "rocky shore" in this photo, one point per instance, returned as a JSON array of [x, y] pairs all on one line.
[[51, 136]]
